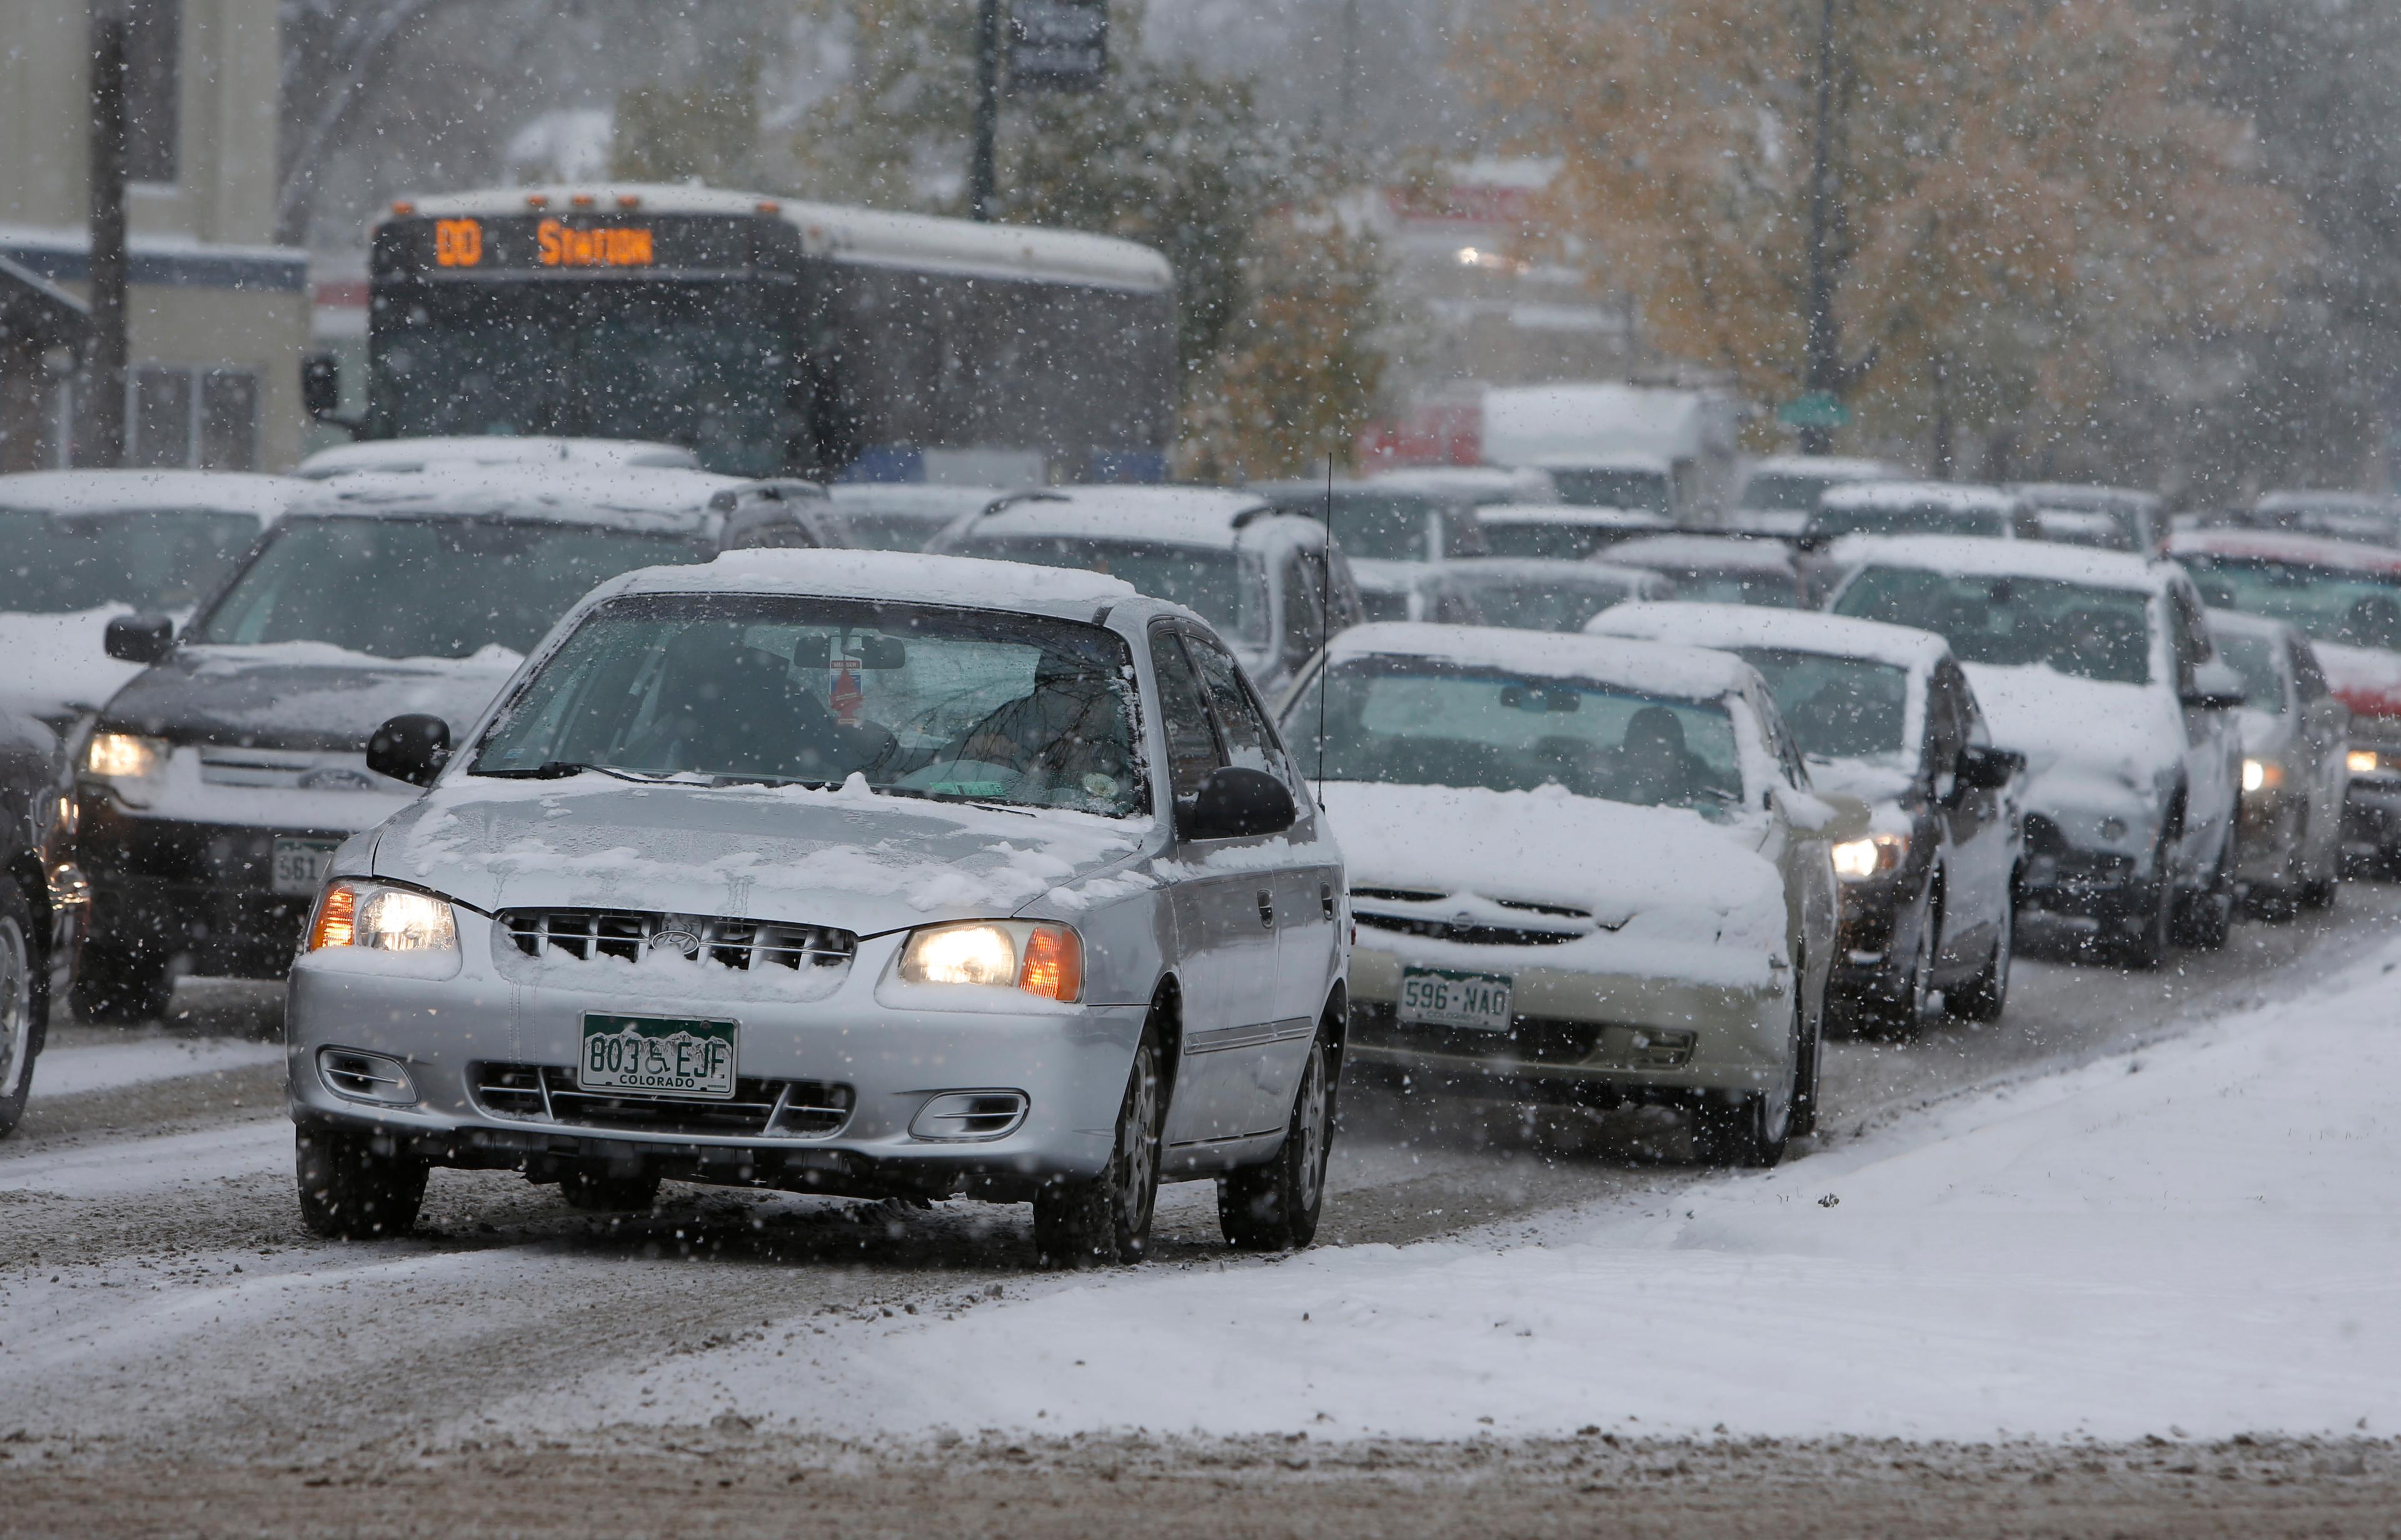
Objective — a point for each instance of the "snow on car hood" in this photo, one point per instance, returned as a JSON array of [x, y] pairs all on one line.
[[303, 695], [848, 858], [1673, 894], [2087, 743], [59, 664]]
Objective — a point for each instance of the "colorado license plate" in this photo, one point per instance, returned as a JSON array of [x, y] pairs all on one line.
[[657, 1055], [299, 865], [1438, 996]]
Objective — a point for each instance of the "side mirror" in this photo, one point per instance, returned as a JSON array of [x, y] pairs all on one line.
[[1983, 769], [2215, 688], [1235, 802], [320, 385], [139, 639], [413, 749]]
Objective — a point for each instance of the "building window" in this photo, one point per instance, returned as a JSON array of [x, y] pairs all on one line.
[[204, 418], [153, 89]]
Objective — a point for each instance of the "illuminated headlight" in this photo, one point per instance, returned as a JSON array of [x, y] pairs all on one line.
[[375, 918], [132, 765], [1855, 861], [2263, 776], [2363, 761], [1047, 960]]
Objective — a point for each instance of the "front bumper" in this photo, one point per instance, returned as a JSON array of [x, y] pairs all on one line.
[[490, 1055], [1595, 1038], [200, 895], [2371, 818], [2268, 848]]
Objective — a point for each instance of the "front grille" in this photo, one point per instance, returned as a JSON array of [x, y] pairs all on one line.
[[1530, 1039], [764, 1108], [1473, 935], [584, 934]]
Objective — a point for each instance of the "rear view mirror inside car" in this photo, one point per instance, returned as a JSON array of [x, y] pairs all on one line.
[[883, 652]]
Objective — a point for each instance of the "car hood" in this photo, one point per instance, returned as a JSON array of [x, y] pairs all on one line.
[[2367, 679], [1659, 882], [1884, 778], [2085, 741], [848, 858], [302, 695]]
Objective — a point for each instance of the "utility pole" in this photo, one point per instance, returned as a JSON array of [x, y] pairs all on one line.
[[101, 412], [1823, 365], [1349, 94], [981, 175]]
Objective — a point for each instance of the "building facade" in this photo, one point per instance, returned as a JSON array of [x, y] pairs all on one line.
[[219, 316]]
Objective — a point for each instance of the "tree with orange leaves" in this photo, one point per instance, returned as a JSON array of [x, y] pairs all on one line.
[[1951, 216]]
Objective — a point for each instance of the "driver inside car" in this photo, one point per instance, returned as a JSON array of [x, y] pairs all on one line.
[[725, 708], [1064, 730]]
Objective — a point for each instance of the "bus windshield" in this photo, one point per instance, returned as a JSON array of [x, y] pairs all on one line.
[[690, 364]]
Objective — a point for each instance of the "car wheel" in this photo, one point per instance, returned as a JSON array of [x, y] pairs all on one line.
[[2319, 895], [1107, 1219], [590, 1191], [2205, 919], [1273, 1206], [22, 997], [1987, 994], [115, 989], [350, 1192], [1810, 1072], [1751, 1128], [2146, 950]]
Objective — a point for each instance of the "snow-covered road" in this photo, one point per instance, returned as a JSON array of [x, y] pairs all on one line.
[[2045, 1255]]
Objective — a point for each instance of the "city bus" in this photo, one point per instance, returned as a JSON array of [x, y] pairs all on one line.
[[769, 336]]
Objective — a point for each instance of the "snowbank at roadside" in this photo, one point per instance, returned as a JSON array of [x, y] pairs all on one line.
[[2199, 1239], [140, 1059]]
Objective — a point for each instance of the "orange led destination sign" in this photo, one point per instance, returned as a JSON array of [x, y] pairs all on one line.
[[457, 242], [607, 246]]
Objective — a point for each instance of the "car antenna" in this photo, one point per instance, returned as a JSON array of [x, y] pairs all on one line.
[[1324, 626]]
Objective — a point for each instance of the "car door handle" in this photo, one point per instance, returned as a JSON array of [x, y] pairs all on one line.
[[1267, 909], [1325, 899]]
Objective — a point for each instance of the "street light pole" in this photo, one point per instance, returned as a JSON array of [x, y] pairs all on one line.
[[1822, 367], [981, 175], [100, 413]]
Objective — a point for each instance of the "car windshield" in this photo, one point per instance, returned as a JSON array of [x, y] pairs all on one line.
[[1422, 722], [2254, 659], [150, 558], [1645, 492], [1733, 585], [1551, 542], [952, 704], [1836, 707], [2072, 628], [1225, 588], [1536, 606], [1914, 518], [1772, 491], [427, 587], [2326, 604], [880, 530]]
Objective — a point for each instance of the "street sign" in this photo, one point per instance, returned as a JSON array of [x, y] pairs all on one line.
[[1815, 409], [1057, 44]]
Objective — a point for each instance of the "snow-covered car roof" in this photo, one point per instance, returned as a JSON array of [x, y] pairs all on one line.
[[1621, 460], [838, 233], [1965, 556], [1547, 571], [2082, 526], [1958, 497], [418, 454], [2236, 623], [1830, 467], [1732, 625], [914, 497], [1205, 518], [1726, 552], [1522, 484], [1572, 515], [2298, 550], [2293, 500], [899, 577], [630, 498], [1688, 673], [1377, 575], [2078, 496], [67, 493]]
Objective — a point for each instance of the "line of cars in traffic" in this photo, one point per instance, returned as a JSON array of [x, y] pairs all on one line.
[[619, 841]]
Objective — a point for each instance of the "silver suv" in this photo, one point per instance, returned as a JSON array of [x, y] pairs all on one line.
[[859, 874]]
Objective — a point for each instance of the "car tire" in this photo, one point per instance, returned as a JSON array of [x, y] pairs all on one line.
[[2319, 896], [2146, 950], [1107, 1219], [2205, 919], [115, 989], [1810, 1073], [1983, 997], [1274, 1205], [1751, 1128], [589, 1191], [24, 999], [349, 1191]]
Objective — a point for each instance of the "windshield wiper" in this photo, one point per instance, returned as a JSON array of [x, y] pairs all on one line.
[[772, 780], [923, 795], [561, 769]]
